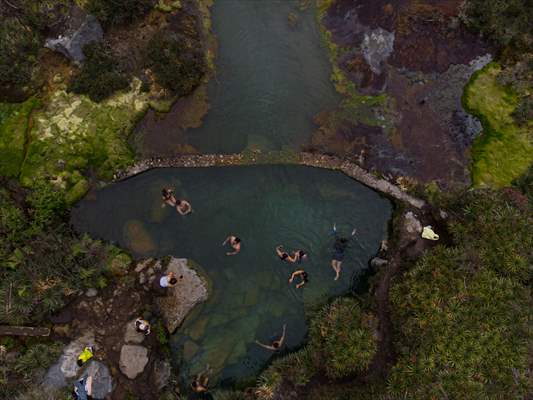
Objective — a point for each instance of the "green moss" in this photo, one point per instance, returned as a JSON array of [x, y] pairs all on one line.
[[73, 134], [14, 121], [77, 191], [504, 151]]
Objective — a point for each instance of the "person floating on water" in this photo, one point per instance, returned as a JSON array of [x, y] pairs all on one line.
[[276, 344], [339, 247], [303, 276], [142, 326], [201, 381], [168, 197], [283, 255], [183, 207], [235, 243]]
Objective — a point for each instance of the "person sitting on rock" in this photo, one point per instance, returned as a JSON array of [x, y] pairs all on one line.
[[303, 276], [168, 197], [201, 381], [85, 355], [169, 280], [235, 243], [142, 326], [83, 389], [276, 344], [283, 255], [183, 207]]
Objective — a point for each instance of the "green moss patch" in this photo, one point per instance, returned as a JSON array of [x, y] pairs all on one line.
[[504, 151]]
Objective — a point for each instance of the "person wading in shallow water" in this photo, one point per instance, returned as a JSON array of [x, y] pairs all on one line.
[[276, 344], [235, 243], [339, 247]]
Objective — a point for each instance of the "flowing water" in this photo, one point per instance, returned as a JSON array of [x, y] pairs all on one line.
[[272, 77], [265, 206]]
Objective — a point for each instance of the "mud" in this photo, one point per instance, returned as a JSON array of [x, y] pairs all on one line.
[[432, 59]]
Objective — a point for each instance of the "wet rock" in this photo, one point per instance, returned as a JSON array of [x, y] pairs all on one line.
[[82, 30], [377, 46], [131, 335], [190, 290], [66, 367], [133, 359], [102, 380], [160, 376], [378, 262], [91, 292]]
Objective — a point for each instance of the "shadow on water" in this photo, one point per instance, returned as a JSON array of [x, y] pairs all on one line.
[[265, 206]]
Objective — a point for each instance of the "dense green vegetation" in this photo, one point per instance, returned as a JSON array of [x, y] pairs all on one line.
[[100, 75], [341, 342], [42, 262], [177, 67], [505, 149], [119, 12]]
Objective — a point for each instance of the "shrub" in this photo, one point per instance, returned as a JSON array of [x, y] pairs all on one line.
[[118, 12], [19, 45], [525, 183], [177, 67], [101, 75], [507, 23], [344, 336], [47, 205], [462, 312]]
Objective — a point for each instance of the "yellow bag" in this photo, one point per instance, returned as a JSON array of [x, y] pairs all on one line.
[[428, 233]]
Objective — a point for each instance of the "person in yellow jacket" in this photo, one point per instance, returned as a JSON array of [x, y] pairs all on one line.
[[85, 355]]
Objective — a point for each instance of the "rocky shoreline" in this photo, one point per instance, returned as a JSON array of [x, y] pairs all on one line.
[[348, 167]]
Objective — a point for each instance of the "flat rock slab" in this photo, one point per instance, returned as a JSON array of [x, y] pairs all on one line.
[[190, 290], [133, 359]]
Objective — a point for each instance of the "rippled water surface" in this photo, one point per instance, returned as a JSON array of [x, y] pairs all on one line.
[[272, 77], [265, 206]]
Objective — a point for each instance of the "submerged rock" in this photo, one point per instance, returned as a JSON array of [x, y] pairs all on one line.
[[133, 359], [190, 290], [82, 30], [137, 238]]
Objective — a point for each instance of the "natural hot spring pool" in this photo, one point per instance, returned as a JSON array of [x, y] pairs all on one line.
[[265, 206]]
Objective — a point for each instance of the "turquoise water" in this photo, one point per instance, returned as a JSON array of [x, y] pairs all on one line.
[[272, 78], [265, 206]]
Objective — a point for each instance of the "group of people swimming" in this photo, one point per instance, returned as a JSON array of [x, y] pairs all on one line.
[[298, 256]]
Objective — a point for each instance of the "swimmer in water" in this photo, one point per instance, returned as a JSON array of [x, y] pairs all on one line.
[[303, 276], [235, 243], [276, 344], [299, 256], [168, 198], [183, 207], [283, 255]]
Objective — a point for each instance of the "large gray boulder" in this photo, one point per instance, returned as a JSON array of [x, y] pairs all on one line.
[[81, 31], [131, 335], [133, 359], [190, 290], [102, 381]]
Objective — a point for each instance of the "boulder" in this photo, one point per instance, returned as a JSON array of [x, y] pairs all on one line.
[[377, 46], [133, 359], [82, 29], [66, 367], [190, 290], [411, 229], [131, 335], [102, 380]]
